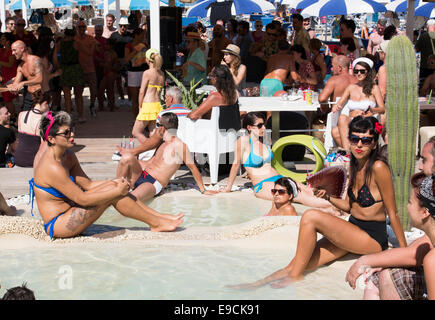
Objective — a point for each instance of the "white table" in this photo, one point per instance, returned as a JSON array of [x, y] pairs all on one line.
[[275, 104]]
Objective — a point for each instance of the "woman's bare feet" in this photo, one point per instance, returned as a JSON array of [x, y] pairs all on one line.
[[286, 281], [11, 211]]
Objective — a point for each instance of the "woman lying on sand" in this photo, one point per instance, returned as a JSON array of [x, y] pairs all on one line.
[[256, 157], [68, 201], [370, 196]]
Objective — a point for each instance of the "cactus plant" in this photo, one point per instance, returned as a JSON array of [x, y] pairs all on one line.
[[190, 99], [402, 119]]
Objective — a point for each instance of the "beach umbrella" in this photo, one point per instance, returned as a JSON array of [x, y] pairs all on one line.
[[40, 4], [343, 7], [425, 10], [130, 5], [400, 5], [239, 7], [299, 4]]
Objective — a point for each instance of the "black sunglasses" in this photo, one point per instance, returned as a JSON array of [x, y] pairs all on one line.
[[67, 133], [362, 71], [259, 125], [280, 191], [272, 34], [21, 24], [366, 141]]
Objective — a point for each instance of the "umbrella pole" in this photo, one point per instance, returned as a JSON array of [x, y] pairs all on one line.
[[410, 19], [2, 13], [24, 10], [155, 24]]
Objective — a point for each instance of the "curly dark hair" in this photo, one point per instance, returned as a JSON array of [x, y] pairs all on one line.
[[369, 80], [225, 84]]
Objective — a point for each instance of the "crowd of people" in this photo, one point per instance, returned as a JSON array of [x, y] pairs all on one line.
[[237, 62]]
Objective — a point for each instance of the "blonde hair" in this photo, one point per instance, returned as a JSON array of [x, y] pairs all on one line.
[[157, 60], [235, 64]]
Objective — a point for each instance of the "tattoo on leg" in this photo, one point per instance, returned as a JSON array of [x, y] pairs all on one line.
[[78, 217]]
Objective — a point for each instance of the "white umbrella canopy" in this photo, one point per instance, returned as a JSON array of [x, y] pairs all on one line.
[[343, 7], [39, 4], [400, 5]]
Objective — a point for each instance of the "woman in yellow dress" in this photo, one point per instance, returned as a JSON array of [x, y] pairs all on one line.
[[152, 83]]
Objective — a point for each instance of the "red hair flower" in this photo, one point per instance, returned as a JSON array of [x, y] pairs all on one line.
[[379, 127]]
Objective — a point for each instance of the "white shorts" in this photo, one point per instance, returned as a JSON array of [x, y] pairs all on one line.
[[134, 78]]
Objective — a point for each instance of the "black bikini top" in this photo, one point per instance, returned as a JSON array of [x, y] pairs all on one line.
[[364, 199]]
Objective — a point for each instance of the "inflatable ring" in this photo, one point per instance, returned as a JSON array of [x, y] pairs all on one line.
[[312, 143]]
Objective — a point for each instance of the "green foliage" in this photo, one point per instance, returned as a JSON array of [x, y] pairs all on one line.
[[402, 114], [191, 100]]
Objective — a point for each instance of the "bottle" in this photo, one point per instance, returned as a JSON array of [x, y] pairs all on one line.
[[123, 143], [299, 93], [131, 144]]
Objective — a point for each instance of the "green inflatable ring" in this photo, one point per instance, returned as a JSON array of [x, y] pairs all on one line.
[[312, 143]]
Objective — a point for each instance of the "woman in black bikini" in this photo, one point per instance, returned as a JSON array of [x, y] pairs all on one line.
[[365, 232]]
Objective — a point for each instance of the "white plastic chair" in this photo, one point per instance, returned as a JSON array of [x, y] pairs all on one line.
[[331, 122], [204, 136]]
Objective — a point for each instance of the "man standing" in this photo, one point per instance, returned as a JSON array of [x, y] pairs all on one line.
[[376, 37], [7, 137], [32, 69], [300, 36], [109, 28], [337, 84], [216, 45], [121, 37], [99, 61], [10, 24], [87, 46], [279, 66], [426, 46], [21, 34], [244, 39], [270, 40]]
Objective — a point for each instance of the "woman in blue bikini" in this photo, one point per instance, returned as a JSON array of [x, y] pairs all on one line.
[[68, 201], [256, 157]]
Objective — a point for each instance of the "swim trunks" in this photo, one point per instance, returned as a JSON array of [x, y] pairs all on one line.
[[146, 177], [271, 85], [149, 111], [409, 282]]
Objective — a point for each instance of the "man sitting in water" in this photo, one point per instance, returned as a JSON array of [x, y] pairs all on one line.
[[148, 178]]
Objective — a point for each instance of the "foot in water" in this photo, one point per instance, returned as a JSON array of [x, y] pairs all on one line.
[[285, 282]]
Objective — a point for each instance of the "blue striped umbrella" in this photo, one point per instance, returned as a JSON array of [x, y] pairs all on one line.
[[38, 4], [299, 4], [400, 5], [201, 9], [130, 5], [425, 10], [343, 7]]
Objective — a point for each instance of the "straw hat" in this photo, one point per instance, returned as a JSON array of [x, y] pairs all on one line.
[[123, 21], [232, 49], [193, 35]]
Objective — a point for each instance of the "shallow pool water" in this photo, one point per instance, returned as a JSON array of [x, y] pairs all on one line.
[[121, 271], [199, 210]]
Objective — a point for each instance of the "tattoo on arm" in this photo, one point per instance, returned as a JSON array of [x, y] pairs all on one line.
[[38, 66]]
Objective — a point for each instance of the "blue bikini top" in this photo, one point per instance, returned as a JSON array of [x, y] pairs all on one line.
[[50, 190], [255, 161]]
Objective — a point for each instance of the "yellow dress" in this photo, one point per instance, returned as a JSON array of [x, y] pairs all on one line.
[[150, 110]]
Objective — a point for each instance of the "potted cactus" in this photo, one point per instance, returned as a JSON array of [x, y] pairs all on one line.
[[191, 100], [402, 119]]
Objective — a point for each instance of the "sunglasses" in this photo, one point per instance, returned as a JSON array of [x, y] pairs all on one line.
[[21, 24], [271, 34], [366, 141], [259, 125], [280, 191], [67, 133], [361, 71]]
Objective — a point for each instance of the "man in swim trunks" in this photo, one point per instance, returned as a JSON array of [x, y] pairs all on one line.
[[31, 68], [148, 178], [279, 67]]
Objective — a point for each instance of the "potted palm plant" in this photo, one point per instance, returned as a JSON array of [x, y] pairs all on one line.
[[191, 99]]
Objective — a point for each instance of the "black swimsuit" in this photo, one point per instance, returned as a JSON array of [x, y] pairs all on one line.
[[375, 229]]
